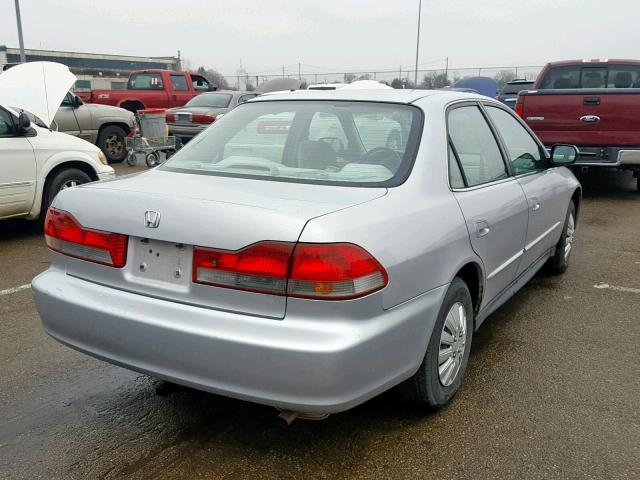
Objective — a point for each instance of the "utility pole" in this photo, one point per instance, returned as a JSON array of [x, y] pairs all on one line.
[[418, 43], [282, 71], [299, 74], [23, 57], [446, 72]]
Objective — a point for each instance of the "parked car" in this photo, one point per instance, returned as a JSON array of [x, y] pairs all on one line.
[[509, 93], [592, 104], [36, 162], [103, 125], [261, 264], [152, 89], [484, 85], [201, 111]]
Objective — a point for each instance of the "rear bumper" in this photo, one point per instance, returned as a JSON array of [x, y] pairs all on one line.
[[185, 131], [303, 364], [616, 157]]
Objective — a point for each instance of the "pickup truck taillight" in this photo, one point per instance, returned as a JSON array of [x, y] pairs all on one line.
[[519, 108], [64, 234], [332, 271]]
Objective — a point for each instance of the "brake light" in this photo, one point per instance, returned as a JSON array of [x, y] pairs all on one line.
[[170, 117], [203, 119], [261, 267], [519, 108], [64, 234], [334, 271]]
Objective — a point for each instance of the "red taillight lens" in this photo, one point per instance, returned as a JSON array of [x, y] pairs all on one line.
[[519, 109], [334, 271], [202, 119], [64, 234], [170, 117], [261, 267]]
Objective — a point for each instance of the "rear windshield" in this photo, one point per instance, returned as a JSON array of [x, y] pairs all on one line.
[[517, 87], [321, 142], [213, 100], [592, 76]]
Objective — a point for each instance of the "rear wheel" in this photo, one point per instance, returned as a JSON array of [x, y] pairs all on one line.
[[67, 178], [112, 143], [560, 261], [152, 159], [439, 377]]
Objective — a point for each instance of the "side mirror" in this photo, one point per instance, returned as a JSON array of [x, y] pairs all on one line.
[[564, 154], [76, 101], [212, 87], [24, 122]]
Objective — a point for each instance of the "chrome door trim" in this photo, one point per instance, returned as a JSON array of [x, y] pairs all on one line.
[[541, 237], [505, 265]]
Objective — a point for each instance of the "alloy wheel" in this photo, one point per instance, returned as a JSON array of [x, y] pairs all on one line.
[[571, 229]]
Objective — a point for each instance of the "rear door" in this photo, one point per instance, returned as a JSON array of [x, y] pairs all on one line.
[[546, 199], [180, 92], [17, 169], [492, 202]]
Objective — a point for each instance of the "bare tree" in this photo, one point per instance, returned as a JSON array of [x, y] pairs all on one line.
[[349, 77], [504, 76], [434, 80], [214, 77]]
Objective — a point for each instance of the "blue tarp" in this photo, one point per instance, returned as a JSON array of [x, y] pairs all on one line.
[[484, 85]]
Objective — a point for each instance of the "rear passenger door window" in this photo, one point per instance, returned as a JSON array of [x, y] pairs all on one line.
[[523, 151], [475, 146]]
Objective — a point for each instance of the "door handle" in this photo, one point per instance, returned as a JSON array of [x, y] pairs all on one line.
[[482, 229]]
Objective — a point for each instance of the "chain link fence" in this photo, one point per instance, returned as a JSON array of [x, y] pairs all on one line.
[[400, 78]]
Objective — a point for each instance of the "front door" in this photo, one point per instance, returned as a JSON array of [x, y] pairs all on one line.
[[17, 169], [492, 202], [529, 164]]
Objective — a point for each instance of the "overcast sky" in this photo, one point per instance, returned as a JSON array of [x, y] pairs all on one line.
[[335, 35]]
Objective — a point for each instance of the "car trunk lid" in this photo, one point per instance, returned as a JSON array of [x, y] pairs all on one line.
[[188, 210]]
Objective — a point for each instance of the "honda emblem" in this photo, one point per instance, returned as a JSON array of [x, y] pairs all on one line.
[[151, 219]]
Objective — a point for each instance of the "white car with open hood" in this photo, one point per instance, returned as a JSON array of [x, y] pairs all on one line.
[[36, 162]]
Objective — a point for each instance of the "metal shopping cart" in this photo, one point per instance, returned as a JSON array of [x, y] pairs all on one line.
[[152, 139]]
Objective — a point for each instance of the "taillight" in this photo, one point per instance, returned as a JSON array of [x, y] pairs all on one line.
[[519, 108], [170, 117], [203, 119], [64, 234], [261, 267], [334, 271]]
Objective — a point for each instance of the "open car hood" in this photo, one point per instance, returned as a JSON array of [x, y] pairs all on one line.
[[38, 87]]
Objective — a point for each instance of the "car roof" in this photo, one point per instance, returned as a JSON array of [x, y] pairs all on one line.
[[374, 95]]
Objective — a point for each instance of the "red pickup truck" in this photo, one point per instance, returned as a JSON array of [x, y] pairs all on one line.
[[593, 104], [152, 89]]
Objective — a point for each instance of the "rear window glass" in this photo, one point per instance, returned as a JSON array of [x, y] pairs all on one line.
[[592, 76], [213, 100], [145, 81], [321, 142], [516, 87]]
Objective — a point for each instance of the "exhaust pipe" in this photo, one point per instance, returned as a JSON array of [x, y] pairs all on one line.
[[289, 416]]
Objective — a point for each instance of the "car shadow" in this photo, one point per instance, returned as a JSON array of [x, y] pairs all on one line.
[[608, 183]]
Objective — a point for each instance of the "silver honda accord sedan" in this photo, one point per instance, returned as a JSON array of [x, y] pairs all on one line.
[[313, 249]]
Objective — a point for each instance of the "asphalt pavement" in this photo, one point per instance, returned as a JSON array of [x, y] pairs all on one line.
[[552, 389]]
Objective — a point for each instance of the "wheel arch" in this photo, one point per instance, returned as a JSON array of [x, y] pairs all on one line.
[[576, 198], [471, 274], [115, 123], [132, 105]]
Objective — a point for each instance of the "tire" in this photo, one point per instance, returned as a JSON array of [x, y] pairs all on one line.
[[559, 263], [112, 143], [428, 387], [152, 159], [132, 159], [63, 179]]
